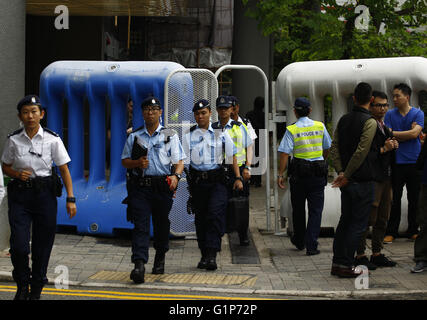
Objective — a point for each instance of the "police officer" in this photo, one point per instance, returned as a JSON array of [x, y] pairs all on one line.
[[27, 158], [308, 141], [207, 181], [242, 142], [151, 194]]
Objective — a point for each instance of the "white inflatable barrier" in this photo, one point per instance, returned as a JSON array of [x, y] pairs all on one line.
[[338, 78]]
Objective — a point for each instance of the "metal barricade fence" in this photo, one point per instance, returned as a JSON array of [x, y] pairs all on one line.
[[178, 93]]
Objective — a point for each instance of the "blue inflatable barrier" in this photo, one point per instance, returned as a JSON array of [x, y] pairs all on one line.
[[99, 207]]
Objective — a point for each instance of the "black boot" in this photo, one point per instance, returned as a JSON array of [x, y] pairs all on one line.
[[36, 291], [159, 263], [22, 293], [211, 260], [203, 261], [137, 274]]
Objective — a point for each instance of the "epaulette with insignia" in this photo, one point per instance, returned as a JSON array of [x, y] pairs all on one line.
[[236, 123], [137, 129], [51, 132], [15, 132], [193, 128], [245, 121]]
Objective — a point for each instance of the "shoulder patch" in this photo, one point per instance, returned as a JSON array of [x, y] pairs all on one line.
[[51, 132], [15, 132], [137, 129]]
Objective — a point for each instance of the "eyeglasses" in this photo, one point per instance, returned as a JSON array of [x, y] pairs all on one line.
[[380, 105], [152, 109]]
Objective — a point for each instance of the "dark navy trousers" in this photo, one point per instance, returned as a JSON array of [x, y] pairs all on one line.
[[311, 190], [210, 201], [144, 203], [38, 209]]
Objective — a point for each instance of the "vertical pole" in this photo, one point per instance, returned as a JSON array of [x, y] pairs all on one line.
[[12, 63]]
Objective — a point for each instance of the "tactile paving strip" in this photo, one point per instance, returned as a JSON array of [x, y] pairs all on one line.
[[181, 278]]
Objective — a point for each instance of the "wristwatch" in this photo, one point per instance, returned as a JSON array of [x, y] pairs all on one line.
[[249, 168], [71, 199], [178, 176], [239, 178]]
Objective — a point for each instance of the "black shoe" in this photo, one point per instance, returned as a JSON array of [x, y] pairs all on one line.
[[364, 262], [137, 274], [382, 261], [22, 293], [202, 263], [159, 263], [298, 246], [36, 291], [345, 272], [211, 260], [312, 252]]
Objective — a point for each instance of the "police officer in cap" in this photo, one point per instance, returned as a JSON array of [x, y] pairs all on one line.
[[309, 142], [207, 181], [242, 142], [27, 158], [151, 194]]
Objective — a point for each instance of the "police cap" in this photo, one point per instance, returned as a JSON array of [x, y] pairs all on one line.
[[150, 101], [302, 103], [202, 103], [234, 101], [29, 100], [223, 102]]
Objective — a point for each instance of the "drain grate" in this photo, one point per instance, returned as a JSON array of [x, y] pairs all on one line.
[[181, 278]]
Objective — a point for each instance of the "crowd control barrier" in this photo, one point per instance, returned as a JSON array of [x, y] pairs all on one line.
[[99, 194], [316, 79]]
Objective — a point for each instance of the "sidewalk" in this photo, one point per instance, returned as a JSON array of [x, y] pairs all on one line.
[[281, 269]]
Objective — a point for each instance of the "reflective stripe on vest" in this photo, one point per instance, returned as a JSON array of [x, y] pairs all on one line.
[[236, 135], [308, 141]]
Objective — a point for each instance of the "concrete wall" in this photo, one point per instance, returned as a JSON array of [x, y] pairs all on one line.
[[249, 47], [12, 63]]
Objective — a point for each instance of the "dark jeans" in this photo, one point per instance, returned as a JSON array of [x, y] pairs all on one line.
[[144, 202], [420, 247], [409, 175], [37, 209], [356, 204], [310, 190]]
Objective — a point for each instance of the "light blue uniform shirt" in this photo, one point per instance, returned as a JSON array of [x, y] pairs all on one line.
[[160, 155], [287, 143], [207, 147]]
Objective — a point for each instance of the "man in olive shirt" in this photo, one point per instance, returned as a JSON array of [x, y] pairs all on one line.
[[353, 155]]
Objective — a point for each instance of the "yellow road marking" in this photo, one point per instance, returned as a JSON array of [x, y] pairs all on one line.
[[127, 295]]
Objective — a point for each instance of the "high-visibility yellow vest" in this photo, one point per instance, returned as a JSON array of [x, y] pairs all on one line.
[[236, 135], [308, 141]]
